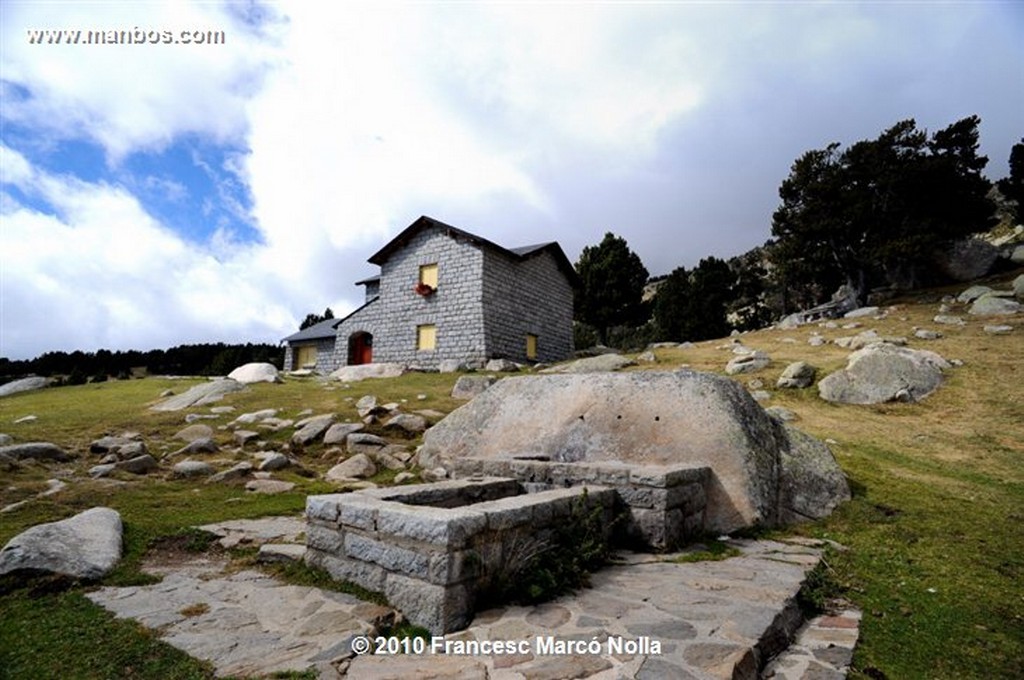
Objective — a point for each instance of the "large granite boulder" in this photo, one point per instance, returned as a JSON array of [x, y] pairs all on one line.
[[994, 305], [967, 259], [255, 372], [651, 418], [884, 372], [200, 395], [85, 546], [23, 385]]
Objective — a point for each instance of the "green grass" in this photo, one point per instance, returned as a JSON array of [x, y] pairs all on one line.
[[707, 551], [934, 532]]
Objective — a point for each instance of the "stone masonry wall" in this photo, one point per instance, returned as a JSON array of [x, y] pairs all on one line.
[[455, 308], [432, 562], [325, 355], [530, 296], [664, 506]]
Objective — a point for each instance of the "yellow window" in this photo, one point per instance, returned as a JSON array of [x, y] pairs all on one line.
[[426, 337], [305, 356], [428, 275], [531, 346]]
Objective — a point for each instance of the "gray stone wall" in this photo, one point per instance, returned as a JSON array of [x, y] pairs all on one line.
[[527, 297], [325, 355], [477, 289]]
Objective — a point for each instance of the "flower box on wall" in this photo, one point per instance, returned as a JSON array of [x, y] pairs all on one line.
[[423, 289]]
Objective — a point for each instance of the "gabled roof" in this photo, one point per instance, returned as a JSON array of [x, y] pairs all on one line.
[[369, 279], [521, 253], [318, 331]]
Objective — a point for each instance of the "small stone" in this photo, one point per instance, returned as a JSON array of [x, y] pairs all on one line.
[[237, 472], [191, 468], [925, 334], [274, 461], [1000, 329], [358, 466], [243, 437], [403, 477], [269, 486]]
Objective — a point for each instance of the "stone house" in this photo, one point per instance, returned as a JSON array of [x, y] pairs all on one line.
[[446, 294]]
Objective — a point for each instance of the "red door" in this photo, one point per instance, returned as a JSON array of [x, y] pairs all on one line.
[[360, 349]]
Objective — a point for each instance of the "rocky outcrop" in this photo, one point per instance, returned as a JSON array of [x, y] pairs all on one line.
[[200, 395], [255, 373], [649, 418], [364, 371], [85, 546], [967, 259], [469, 386], [883, 372], [23, 385], [599, 364]]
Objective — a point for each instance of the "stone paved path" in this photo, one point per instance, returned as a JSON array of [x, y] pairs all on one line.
[[709, 619], [712, 620]]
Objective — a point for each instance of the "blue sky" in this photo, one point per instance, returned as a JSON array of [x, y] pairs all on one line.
[[159, 194]]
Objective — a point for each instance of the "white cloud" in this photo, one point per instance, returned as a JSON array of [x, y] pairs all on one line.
[[101, 272], [128, 97]]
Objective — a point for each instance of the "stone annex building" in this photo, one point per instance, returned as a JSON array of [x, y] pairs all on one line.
[[446, 294]]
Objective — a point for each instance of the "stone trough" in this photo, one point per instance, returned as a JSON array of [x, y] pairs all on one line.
[[433, 549]]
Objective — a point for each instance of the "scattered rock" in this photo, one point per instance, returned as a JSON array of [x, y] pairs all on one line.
[[501, 366], [1018, 286], [191, 468], [167, 393], [879, 372], [993, 305], [972, 294], [86, 546], [861, 312], [312, 429], [408, 423], [1017, 256], [222, 410], [197, 446], [816, 341], [100, 471], [600, 364], [42, 451], [1000, 329], [368, 406], [403, 477], [358, 466], [747, 364], [949, 320], [239, 471], [386, 460], [254, 417], [269, 486], [255, 373], [26, 419], [243, 437], [194, 432], [469, 386], [363, 442], [274, 461], [23, 385], [647, 357], [364, 371], [761, 395], [339, 432], [139, 465], [925, 334], [6, 439], [200, 395], [452, 366], [797, 375]]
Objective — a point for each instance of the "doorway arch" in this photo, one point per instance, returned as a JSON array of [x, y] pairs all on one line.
[[360, 348]]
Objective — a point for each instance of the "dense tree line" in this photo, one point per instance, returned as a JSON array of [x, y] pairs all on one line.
[[872, 215], [205, 359]]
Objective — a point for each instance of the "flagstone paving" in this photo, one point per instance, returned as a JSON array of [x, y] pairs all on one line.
[[644, 618]]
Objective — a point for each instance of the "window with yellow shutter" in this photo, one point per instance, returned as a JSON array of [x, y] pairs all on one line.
[[426, 337], [531, 346], [428, 275]]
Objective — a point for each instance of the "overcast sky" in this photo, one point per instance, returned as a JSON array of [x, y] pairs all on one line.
[[159, 194]]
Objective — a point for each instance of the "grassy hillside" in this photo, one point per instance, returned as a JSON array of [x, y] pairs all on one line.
[[935, 530]]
